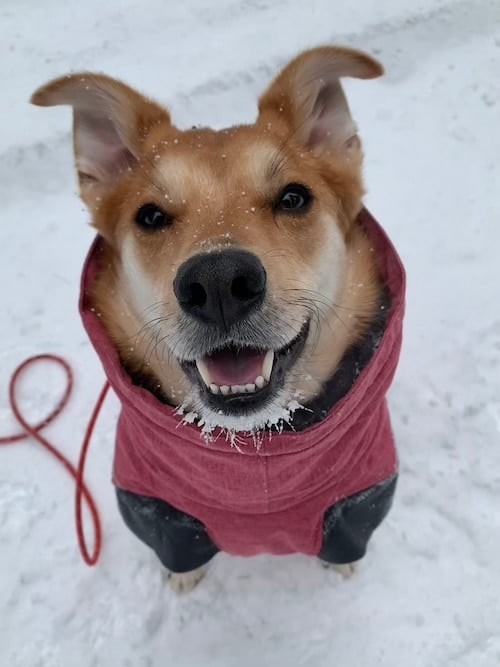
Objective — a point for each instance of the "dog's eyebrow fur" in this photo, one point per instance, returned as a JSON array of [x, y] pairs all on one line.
[[279, 161], [147, 169]]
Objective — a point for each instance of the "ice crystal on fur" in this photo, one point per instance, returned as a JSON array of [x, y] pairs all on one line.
[[236, 429]]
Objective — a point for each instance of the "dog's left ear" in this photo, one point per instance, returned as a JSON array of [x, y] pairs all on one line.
[[308, 98]]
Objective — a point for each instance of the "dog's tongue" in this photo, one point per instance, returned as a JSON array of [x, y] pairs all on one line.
[[230, 367]]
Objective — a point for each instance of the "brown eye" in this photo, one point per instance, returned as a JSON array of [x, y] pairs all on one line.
[[151, 217], [295, 198]]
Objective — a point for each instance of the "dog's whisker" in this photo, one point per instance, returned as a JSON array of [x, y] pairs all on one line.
[[322, 306]]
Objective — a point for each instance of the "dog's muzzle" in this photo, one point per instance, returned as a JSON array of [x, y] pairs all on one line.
[[224, 291]]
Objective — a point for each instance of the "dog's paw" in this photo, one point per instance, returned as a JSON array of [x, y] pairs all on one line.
[[185, 582], [346, 570]]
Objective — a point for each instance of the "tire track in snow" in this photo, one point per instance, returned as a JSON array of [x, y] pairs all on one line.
[[403, 44], [44, 168]]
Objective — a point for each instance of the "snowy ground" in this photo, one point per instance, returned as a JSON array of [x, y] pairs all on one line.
[[428, 594]]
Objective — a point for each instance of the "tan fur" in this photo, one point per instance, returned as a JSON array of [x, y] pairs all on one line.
[[218, 188]]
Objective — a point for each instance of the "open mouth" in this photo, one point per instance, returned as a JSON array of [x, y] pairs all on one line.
[[236, 380]]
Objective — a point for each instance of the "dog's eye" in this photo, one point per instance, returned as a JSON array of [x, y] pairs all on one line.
[[294, 198], [150, 216]]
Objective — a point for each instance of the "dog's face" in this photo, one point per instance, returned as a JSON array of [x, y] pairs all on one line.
[[229, 249]]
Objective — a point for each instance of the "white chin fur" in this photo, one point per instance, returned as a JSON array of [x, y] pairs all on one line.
[[271, 417]]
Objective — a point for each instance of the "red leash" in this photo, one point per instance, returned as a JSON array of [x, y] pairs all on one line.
[[78, 472]]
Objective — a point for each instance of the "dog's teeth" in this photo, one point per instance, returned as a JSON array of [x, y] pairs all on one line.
[[259, 382], [237, 389], [267, 366], [214, 388], [224, 389], [203, 371], [250, 388]]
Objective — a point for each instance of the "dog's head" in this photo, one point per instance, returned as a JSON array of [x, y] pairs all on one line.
[[230, 251]]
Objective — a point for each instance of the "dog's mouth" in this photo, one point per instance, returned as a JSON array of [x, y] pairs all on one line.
[[238, 379]]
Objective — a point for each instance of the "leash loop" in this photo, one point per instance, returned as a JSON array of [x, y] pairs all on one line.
[[77, 473]]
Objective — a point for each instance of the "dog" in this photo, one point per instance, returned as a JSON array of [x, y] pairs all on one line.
[[247, 311]]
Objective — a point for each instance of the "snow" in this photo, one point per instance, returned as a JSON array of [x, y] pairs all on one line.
[[428, 593]]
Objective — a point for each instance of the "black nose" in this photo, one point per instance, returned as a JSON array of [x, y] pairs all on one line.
[[221, 288]]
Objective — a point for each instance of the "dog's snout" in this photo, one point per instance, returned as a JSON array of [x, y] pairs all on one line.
[[221, 288]]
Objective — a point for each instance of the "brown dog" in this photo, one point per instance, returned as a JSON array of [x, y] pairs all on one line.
[[234, 274]]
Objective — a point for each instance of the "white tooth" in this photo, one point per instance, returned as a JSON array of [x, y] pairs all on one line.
[[237, 389], [267, 366], [203, 371], [250, 388], [224, 389], [259, 382], [214, 389]]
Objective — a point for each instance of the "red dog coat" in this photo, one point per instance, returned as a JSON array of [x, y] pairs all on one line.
[[269, 499]]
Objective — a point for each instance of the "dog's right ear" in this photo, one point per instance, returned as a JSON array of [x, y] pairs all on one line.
[[110, 124]]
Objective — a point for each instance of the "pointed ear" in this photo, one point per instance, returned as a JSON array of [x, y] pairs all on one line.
[[308, 97], [110, 123]]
